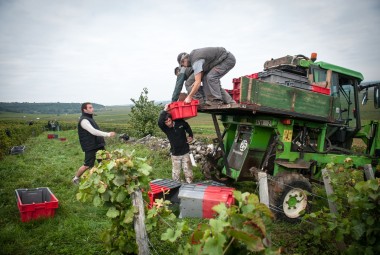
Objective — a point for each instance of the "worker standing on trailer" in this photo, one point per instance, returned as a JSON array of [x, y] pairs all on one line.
[[177, 131], [209, 65]]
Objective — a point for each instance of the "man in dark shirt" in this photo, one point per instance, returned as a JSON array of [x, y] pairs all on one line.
[[179, 144]]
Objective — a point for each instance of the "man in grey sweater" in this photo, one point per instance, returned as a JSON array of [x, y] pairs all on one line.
[[209, 65]]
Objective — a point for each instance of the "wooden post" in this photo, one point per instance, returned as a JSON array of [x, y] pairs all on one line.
[[369, 175], [263, 188], [329, 191], [139, 223]]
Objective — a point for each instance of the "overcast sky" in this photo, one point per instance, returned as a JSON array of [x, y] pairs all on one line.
[[107, 51]]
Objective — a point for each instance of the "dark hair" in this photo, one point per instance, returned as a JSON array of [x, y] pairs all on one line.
[[180, 56], [167, 116], [84, 106], [176, 70]]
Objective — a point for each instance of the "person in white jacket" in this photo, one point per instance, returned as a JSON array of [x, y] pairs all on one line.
[[91, 139]]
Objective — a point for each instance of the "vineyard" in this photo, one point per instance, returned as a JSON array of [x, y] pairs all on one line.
[[81, 227], [98, 216]]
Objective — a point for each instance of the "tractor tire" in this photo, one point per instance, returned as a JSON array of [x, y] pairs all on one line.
[[290, 196]]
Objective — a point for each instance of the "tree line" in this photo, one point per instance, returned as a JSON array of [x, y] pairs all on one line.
[[45, 108]]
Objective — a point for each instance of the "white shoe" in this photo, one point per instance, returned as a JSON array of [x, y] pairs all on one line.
[[75, 180]]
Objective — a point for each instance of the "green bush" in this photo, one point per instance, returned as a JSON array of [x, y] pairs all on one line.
[[144, 115], [15, 134]]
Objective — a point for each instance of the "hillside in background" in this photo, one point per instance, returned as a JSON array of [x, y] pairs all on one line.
[[45, 108]]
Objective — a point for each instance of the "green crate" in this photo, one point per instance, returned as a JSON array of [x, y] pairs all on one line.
[[291, 101]]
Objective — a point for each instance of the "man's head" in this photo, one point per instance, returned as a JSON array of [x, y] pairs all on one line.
[[87, 108], [183, 59], [168, 120], [176, 70]]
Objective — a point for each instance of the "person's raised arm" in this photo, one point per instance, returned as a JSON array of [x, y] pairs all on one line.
[[178, 85], [161, 118]]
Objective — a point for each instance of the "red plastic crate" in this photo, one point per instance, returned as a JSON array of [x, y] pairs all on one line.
[[253, 76], [236, 83], [159, 187], [181, 110], [215, 195], [321, 90], [36, 203], [50, 136], [235, 94], [156, 192]]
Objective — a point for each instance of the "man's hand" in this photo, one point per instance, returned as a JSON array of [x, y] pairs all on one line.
[[188, 100], [112, 134], [189, 139], [166, 107]]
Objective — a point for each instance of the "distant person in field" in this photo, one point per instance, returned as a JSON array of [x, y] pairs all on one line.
[[90, 138], [176, 131]]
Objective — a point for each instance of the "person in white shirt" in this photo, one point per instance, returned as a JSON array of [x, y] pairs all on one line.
[[91, 139]]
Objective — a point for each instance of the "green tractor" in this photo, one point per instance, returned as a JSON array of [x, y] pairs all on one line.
[[290, 121]]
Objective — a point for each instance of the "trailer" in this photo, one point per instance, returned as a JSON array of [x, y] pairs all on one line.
[[289, 121]]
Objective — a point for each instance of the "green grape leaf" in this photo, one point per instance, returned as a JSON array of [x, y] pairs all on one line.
[[102, 189], [145, 169], [237, 195], [96, 179], [247, 208], [221, 209], [97, 201], [106, 195], [253, 243], [79, 196], [86, 184], [358, 230], [121, 196], [112, 212], [214, 244], [253, 199], [171, 235], [217, 226], [119, 180], [111, 165], [129, 215]]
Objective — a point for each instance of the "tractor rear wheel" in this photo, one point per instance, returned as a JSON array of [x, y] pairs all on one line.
[[290, 196]]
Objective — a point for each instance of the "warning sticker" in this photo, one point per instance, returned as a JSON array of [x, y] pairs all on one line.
[[287, 137]]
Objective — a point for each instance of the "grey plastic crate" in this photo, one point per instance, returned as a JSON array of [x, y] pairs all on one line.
[[285, 78], [191, 196], [37, 195], [17, 150], [211, 183]]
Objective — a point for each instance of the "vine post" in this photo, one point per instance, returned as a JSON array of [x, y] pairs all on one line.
[[139, 223]]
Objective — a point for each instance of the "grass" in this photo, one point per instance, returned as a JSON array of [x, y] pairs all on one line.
[[76, 226]]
